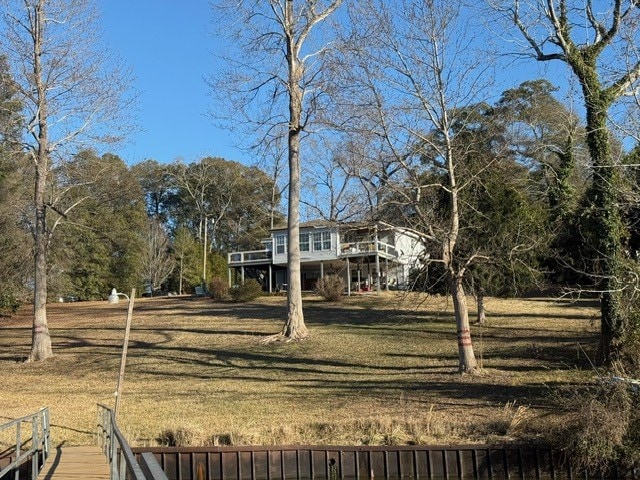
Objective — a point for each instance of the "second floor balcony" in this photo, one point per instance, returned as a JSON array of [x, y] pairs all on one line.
[[250, 257], [361, 248], [368, 247]]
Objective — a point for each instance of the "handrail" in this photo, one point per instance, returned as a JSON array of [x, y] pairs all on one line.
[[249, 256], [40, 442], [368, 246], [118, 452]]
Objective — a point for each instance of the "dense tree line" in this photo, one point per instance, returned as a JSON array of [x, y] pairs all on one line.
[[135, 226]]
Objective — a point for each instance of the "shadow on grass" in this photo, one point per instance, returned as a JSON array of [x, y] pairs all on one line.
[[447, 392], [154, 348]]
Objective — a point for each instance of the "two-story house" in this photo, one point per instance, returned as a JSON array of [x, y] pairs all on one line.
[[368, 256]]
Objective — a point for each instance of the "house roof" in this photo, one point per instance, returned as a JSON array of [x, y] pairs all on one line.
[[309, 224], [344, 227]]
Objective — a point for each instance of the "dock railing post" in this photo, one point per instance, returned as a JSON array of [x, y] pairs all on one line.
[[125, 345], [46, 434], [18, 444], [34, 445]]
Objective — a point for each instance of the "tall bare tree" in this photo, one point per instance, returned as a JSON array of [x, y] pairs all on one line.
[[331, 183], [69, 90], [195, 181], [599, 45], [415, 76], [281, 67]]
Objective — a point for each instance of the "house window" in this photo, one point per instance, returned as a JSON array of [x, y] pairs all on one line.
[[280, 244], [317, 241], [304, 242], [321, 241], [326, 240]]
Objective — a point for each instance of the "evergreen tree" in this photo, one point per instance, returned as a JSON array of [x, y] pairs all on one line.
[[102, 248]]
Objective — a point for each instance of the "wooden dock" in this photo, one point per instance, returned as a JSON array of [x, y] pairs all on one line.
[[73, 463]]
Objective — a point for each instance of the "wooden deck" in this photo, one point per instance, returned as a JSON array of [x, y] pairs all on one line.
[[71, 463]]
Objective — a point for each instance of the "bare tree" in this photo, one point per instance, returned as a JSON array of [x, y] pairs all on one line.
[[418, 76], [599, 45], [273, 162], [196, 181], [331, 189], [224, 202], [281, 68], [70, 91], [157, 260]]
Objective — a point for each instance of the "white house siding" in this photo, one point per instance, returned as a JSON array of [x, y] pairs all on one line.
[[410, 250], [326, 254]]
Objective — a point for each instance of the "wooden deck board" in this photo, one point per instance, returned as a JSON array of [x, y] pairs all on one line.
[[71, 463]]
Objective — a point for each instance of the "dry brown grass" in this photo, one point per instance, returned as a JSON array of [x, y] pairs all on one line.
[[375, 370]]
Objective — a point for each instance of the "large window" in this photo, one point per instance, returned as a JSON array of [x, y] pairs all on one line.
[[317, 241], [304, 242], [326, 240], [281, 241], [321, 241]]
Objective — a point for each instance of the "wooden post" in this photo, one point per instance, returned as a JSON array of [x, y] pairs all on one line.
[[348, 278], [377, 244], [123, 359], [204, 252], [386, 274]]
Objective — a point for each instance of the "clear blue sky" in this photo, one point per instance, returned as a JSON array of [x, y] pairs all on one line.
[[170, 49], [168, 45]]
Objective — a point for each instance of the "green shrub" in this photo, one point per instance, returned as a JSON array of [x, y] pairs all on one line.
[[9, 303], [330, 287], [219, 289], [249, 290]]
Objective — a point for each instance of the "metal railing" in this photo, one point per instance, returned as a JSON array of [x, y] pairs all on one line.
[[36, 435], [123, 464], [257, 256], [368, 246]]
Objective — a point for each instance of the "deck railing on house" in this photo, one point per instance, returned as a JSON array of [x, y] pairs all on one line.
[[253, 256], [368, 247], [122, 462], [346, 249], [26, 444]]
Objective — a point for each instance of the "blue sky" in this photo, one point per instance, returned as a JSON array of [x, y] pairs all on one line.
[[170, 49], [168, 46]]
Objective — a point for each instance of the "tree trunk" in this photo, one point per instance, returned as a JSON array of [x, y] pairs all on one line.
[[467, 359], [607, 225], [40, 338], [181, 265], [204, 254], [294, 328]]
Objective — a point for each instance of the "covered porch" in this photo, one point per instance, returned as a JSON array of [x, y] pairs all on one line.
[[360, 273]]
